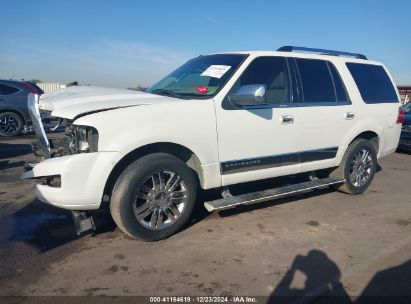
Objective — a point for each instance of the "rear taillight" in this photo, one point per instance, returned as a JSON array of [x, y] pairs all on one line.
[[400, 118], [31, 89]]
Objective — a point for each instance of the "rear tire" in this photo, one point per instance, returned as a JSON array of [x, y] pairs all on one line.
[[154, 197], [357, 167], [11, 124]]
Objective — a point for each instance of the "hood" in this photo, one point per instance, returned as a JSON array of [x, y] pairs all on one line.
[[75, 101]]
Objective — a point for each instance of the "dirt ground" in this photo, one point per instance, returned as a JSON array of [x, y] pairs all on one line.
[[322, 242]]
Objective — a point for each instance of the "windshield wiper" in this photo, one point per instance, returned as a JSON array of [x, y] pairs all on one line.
[[166, 93]]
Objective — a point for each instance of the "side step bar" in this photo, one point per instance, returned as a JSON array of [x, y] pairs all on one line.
[[266, 195]]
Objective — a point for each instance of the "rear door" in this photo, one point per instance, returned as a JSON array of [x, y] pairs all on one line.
[[326, 113], [13, 98]]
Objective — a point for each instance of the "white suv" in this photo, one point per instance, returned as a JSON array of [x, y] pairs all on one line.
[[217, 120]]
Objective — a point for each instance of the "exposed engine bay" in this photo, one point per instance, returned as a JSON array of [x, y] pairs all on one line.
[[76, 139]]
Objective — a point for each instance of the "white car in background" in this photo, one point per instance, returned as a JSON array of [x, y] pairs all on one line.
[[217, 120]]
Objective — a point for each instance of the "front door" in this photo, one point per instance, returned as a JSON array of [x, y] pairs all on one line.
[[257, 142]]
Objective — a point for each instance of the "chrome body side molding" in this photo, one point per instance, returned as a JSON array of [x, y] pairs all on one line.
[[243, 165]]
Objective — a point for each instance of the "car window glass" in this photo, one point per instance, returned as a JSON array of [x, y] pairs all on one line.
[[7, 90], [340, 90], [271, 71], [373, 83], [316, 81], [200, 77]]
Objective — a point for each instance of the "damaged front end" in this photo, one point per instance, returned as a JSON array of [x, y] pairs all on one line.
[[43, 143], [76, 139]]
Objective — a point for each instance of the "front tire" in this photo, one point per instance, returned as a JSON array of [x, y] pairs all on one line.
[[11, 124], [357, 167], [154, 197]]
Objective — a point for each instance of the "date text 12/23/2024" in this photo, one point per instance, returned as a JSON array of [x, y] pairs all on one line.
[[220, 299]]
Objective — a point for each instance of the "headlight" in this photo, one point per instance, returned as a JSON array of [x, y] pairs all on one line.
[[83, 139]]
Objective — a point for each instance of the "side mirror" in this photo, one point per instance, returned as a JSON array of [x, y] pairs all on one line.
[[249, 95]]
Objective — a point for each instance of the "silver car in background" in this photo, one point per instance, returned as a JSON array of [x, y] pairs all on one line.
[[14, 112]]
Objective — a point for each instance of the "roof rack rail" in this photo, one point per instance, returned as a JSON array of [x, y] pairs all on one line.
[[321, 51]]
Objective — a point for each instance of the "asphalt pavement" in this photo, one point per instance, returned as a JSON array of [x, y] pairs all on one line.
[[321, 242]]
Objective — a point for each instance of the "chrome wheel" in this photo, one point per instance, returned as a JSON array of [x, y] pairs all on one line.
[[9, 125], [161, 199], [361, 168]]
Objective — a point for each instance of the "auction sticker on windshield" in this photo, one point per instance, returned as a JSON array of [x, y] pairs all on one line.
[[216, 71]]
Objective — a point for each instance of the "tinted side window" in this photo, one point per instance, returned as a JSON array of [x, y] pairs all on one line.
[[373, 83], [7, 90], [271, 71], [316, 81], [340, 90]]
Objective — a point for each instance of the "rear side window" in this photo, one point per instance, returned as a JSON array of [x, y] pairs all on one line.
[[340, 92], [373, 83], [320, 81], [7, 90]]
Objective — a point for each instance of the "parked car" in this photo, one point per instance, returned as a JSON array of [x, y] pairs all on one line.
[[405, 139], [14, 115], [407, 113], [216, 121]]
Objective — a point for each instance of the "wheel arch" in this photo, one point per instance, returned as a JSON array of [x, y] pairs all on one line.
[[372, 136], [180, 151], [16, 112]]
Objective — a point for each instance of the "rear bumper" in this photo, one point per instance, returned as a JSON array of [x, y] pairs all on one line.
[[82, 179]]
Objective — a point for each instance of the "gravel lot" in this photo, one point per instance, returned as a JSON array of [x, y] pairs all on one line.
[[302, 245]]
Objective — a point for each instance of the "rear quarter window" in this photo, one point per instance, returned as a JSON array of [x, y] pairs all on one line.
[[373, 83], [7, 90]]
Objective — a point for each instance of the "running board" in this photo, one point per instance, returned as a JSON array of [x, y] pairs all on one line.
[[266, 195]]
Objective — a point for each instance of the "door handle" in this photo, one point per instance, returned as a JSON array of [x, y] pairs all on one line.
[[349, 115], [287, 119]]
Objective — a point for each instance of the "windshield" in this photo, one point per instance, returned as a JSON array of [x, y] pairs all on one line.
[[198, 78]]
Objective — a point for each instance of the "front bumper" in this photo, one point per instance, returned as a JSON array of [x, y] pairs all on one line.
[[82, 176]]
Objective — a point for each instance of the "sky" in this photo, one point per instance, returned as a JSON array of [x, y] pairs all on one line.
[[124, 43]]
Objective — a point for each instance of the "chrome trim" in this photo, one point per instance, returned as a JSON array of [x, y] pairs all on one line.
[[279, 160], [361, 168], [160, 200], [249, 94], [349, 115], [296, 105], [287, 119], [318, 154], [266, 195]]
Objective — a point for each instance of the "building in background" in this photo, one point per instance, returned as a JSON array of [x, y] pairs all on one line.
[[50, 87]]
